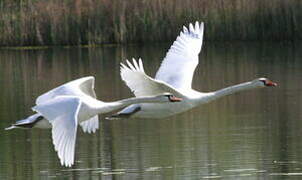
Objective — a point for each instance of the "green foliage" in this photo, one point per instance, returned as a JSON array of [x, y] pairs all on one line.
[[90, 22]]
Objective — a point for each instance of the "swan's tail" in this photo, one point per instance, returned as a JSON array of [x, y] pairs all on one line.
[[11, 127], [26, 123]]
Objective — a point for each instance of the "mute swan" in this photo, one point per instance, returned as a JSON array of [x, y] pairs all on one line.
[[175, 75], [73, 103]]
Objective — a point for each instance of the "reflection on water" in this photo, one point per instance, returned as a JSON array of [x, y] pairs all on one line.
[[254, 135]]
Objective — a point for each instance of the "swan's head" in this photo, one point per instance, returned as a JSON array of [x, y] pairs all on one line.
[[167, 97], [264, 82]]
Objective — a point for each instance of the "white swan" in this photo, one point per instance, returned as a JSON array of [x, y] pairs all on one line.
[[73, 103], [175, 75]]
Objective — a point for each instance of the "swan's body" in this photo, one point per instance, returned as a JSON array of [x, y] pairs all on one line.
[[175, 75], [73, 103]]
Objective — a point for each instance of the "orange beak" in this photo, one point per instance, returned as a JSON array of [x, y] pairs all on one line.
[[175, 99], [270, 83]]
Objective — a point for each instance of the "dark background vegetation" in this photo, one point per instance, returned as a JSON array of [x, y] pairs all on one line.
[[91, 22]]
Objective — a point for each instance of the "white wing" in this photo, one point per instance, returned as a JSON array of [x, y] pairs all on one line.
[[78, 87], [141, 84], [62, 113], [178, 66], [91, 125]]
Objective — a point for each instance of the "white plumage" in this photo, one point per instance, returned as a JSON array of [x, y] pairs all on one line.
[[84, 88], [175, 75], [73, 103], [62, 112], [178, 66]]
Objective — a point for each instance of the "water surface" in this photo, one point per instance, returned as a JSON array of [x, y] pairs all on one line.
[[250, 135]]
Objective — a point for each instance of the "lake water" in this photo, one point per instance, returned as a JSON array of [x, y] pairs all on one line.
[[250, 135]]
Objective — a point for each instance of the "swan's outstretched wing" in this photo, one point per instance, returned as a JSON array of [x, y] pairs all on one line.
[[78, 87], [90, 125], [62, 113], [140, 83], [178, 66]]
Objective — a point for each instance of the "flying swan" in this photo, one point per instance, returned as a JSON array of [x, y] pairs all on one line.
[[175, 75], [73, 103]]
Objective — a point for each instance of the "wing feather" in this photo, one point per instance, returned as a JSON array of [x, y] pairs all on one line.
[[90, 125], [178, 66], [62, 113], [140, 83], [78, 87]]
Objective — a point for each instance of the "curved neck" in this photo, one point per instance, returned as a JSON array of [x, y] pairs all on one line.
[[137, 100], [227, 91], [112, 106]]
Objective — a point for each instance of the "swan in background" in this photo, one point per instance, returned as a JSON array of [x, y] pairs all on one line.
[[73, 103], [175, 75]]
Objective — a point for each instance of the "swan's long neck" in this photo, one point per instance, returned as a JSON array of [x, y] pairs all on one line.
[[137, 100], [112, 106], [227, 91]]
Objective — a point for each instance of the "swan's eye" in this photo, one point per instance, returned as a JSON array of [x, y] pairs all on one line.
[[264, 83], [168, 96]]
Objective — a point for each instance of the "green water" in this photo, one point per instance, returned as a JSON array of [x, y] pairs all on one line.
[[250, 135]]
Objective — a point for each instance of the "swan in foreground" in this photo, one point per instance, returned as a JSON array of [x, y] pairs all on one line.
[[175, 75], [73, 103]]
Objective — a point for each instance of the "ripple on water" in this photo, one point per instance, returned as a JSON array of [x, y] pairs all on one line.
[[212, 177], [240, 170], [286, 174], [113, 173], [85, 169]]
